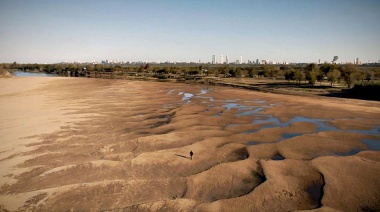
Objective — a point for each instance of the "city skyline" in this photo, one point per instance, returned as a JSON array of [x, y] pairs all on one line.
[[297, 31]]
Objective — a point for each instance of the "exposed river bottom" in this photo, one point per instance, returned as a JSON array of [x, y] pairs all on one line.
[[113, 145]]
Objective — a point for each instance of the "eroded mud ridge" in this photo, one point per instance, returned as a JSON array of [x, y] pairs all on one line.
[[252, 151]]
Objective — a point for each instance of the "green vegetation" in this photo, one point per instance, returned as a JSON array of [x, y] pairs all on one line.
[[349, 73], [312, 73], [366, 90], [329, 75], [333, 76], [335, 59]]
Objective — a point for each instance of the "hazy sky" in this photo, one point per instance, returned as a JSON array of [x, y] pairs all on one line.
[[49, 31]]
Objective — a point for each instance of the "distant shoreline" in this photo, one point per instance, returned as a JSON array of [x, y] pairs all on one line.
[[257, 84]]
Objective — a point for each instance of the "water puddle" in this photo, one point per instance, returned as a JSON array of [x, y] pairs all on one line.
[[269, 121], [273, 122], [251, 112], [210, 99], [374, 131], [286, 136], [204, 91], [349, 153], [186, 96], [372, 144], [171, 91], [278, 157], [256, 101], [30, 74], [230, 106], [251, 143]]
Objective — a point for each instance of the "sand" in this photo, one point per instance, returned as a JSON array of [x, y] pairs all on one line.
[[76, 144]]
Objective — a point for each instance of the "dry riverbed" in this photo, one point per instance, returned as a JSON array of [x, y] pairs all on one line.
[[112, 145]]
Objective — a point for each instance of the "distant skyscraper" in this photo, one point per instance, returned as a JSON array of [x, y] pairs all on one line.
[[213, 59], [357, 61], [227, 59], [257, 61], [221, 59], [241, 59]]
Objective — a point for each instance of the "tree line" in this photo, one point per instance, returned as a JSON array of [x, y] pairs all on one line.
[[310, 73]]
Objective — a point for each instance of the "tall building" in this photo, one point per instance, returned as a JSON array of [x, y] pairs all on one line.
[[357, 61], [257, 61], [221, 59], [213, 59], [241, 59], [227, 59]]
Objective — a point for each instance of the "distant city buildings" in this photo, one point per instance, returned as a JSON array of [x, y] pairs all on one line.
[[223, 60], [226, 60]]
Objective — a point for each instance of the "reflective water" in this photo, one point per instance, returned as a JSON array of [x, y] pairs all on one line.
[[290, 135], [258, 101], [251, 112], [254, 143], [372, 144], [278, 157], [270, 121], [186, 96], [374, 131], [351, 152], [29, 74], [274, 122]]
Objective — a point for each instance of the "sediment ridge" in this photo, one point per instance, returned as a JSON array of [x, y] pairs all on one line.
[[114, 145]]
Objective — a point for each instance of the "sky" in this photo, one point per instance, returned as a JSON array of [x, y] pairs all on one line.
[[52, 31]]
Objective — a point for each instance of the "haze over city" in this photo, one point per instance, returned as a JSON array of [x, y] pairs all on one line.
[[45, 31]]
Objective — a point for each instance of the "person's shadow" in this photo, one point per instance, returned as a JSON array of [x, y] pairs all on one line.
[[183, 156]]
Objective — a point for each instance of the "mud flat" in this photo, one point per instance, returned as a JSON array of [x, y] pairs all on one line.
[[110, 145]]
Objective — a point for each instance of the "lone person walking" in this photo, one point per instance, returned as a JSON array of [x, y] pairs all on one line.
[[191, 155]]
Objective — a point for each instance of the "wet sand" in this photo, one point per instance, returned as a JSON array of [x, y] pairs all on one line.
[[113, 145]]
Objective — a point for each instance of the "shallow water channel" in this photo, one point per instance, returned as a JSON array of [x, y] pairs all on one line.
[[30, 74]]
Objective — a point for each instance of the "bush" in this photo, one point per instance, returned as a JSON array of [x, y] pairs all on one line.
[[161, 76], [366, 90], [4, 74]]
